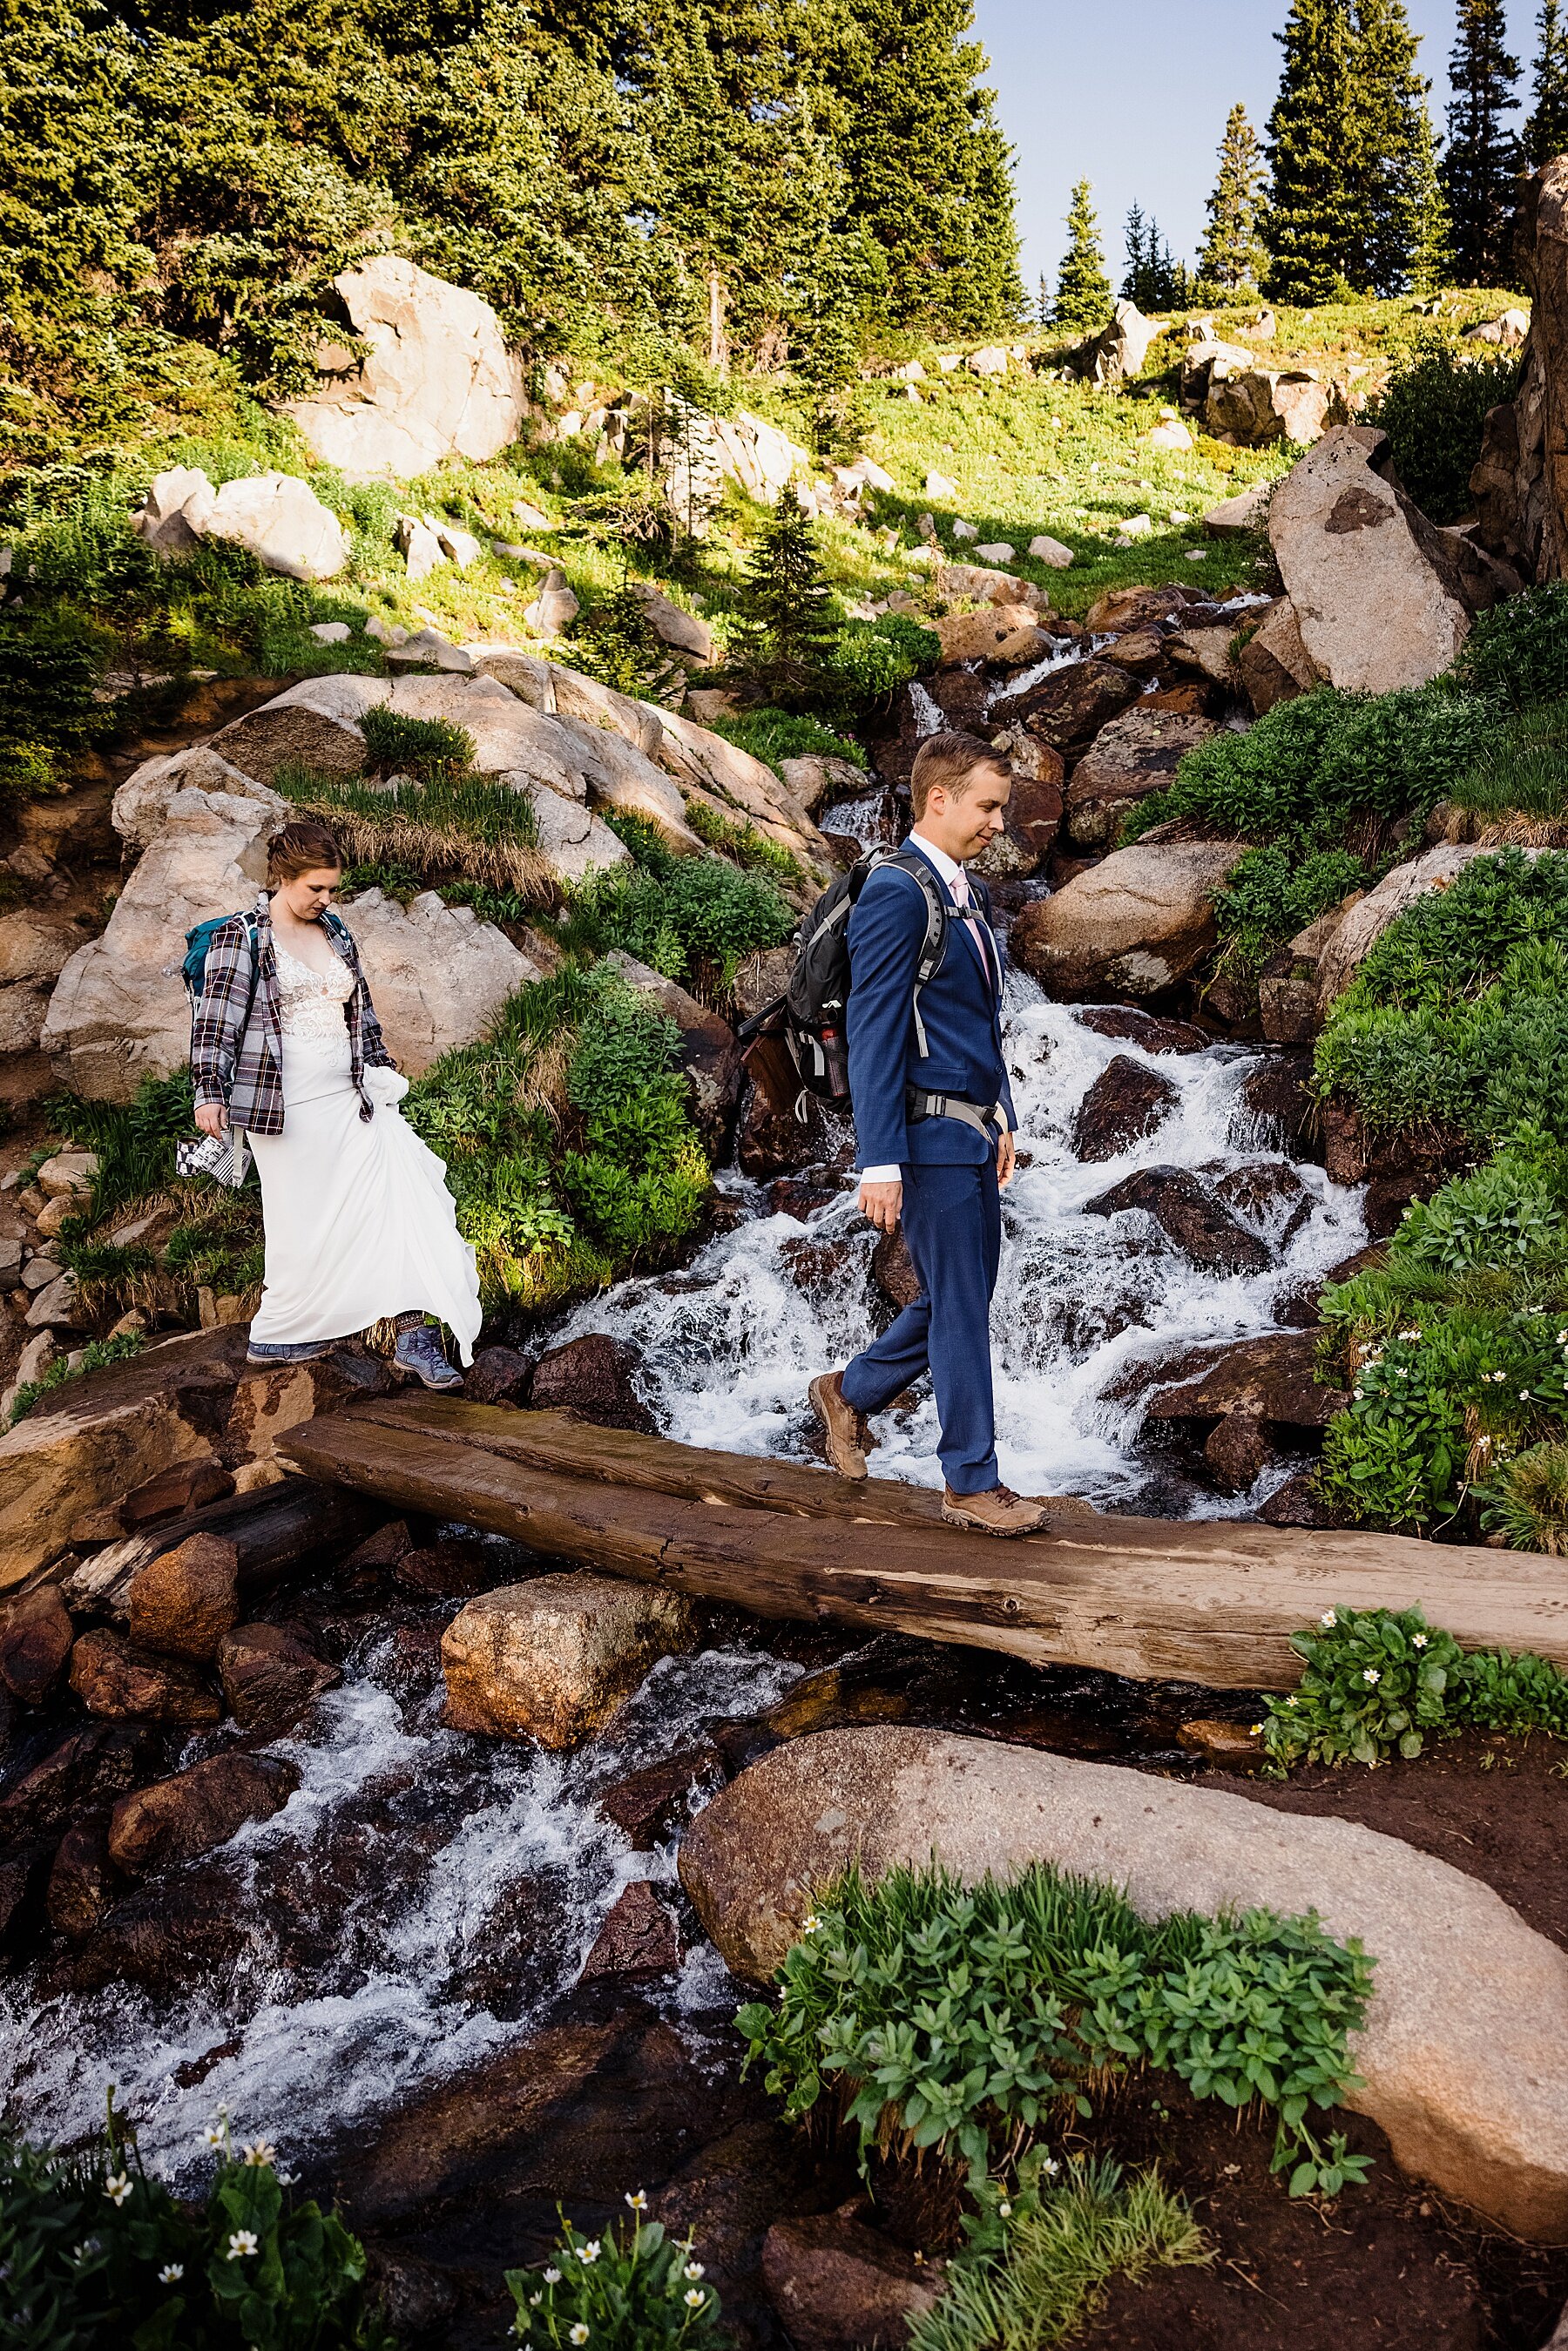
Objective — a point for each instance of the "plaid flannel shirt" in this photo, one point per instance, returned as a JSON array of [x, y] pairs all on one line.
[[236, 1036]]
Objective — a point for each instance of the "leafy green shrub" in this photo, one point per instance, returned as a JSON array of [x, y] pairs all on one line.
[[95, 2255], [48, 669], [1310, 767], [743, 842], [96, 1356], [1059, 2245], [1376, 1682], [774, 736], [1271, 894], [614, 641], [1459, 1015], [416, 746], [622, 2291], [1433, 411], [960, 2016], [566, 1138], [1518, 652], [696, 915], [871, 659]]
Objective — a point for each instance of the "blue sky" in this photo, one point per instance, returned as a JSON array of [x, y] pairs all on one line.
[[1132, 94]]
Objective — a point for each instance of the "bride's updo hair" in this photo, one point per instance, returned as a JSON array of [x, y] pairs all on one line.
[[301, 848]]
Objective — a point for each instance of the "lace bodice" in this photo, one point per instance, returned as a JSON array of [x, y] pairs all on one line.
[[310, 1003]]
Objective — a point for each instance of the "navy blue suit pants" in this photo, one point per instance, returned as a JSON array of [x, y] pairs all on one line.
[[953, 1224]]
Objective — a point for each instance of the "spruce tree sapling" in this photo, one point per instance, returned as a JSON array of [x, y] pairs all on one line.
[[1546, 131], [1233, 255], [1307, 147], [1137, 235], [1481, 168], [786, 625], [1083, 304]]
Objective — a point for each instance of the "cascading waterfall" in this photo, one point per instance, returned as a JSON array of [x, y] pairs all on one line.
[[729, 1345]]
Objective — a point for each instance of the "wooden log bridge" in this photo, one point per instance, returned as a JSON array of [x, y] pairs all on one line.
[[1210, 1601]]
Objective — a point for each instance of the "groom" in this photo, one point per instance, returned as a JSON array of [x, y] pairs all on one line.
[[935, 1124]]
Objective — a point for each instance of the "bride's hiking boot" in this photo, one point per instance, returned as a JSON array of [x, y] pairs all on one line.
[[303, 1351], [420, 1353], [842, 1427], [999, 1511]]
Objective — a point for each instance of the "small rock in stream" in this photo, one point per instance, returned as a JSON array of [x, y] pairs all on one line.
[[593, 1376], [496, 1375], [1125, 1103], [179, 1818], [35, 1643], [383, 1550], [641, 1937], [271, 1677], [1187, 1210], [650, 1805], [551, 1660], [1237, 1452], [184, 1601], [114, 1678], [88, 1765], [82, 1883], [454, 1569]]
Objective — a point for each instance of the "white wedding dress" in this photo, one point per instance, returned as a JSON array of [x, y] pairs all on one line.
[[360, 1223]]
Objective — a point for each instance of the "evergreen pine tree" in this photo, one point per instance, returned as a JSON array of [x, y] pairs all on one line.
[[785, 625], [1138, 253], [1389, 217], [1432, 252], [1233, 253], [1082, 302], [1546, 131], [927, 164], [1483, 158], [1304, 225]]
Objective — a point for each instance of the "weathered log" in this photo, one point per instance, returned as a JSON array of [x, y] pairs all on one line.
[[272, 1530], [1153, 1599]]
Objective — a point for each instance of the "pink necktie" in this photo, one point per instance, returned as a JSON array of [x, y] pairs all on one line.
[[970, 915]]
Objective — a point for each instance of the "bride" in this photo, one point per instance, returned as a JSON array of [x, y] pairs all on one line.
[[286, 1047]]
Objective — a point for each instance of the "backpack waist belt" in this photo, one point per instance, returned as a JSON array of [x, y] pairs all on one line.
[[920, 1106]]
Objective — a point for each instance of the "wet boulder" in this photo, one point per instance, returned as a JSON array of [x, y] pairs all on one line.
[[553, 1659], [1188, 1212], [1134, 925], [496, 1375], [1122, 609], [35, 1638], [117, 1682], [185, 1600], [1277, 1096], [1269, 1197], [641, 1937], [1067, 710], [1148, 1030], [85, 1767], [82, 1879], [651, 1804], [838, 2286], [271, 1678], [1268, 1382], [1126, 1102], [596, 1377], [179, 1818], [1134, 755], [892, 1271]]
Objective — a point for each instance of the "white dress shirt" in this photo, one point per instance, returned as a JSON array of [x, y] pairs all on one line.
[[957, 882]]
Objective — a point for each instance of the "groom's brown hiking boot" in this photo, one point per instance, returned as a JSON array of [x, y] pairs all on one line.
[[843, 1427], [999, 1511]]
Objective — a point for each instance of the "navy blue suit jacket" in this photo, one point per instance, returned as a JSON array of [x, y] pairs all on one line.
[[961, 1017]]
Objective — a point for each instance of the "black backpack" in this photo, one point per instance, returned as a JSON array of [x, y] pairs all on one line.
[[810, 1014]]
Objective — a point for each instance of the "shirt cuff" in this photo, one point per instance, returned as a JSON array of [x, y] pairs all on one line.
[[894, 1174]]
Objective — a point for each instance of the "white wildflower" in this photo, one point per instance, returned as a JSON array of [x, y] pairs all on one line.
[[171, 2273], [117, 2187], [1051, 2167], [552, 2277], [579, 2334], [242, 2243], [1358, 1394], [810, 1923], [257, 2152], [1370, 1673], [1004, 2210], [693, 2270], [637, 2200], [1417, 1640], [213, 2134], [1328, 1620], [588, 2254], [695, 2297]]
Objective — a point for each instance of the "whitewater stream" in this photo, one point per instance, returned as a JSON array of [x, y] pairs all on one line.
[[424, 1896]]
